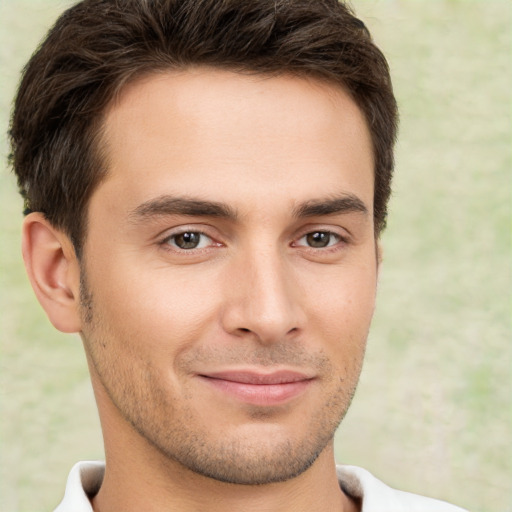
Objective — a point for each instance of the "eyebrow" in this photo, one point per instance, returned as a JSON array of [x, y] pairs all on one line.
[[170, 205], [348, 203]]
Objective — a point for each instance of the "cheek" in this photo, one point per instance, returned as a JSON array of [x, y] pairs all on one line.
[[340, 313], [343, 299], [155, 311]]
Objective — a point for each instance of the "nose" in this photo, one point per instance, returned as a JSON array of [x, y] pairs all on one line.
[[263, 300]]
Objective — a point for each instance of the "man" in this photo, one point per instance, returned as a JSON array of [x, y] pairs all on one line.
[[205, 184]]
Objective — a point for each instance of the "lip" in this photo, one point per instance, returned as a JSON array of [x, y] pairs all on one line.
[[257, 388]]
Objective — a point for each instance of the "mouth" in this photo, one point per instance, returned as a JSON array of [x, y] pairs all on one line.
[[256, 388]]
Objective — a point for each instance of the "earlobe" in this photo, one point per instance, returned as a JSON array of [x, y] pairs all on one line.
[[378, 257], [380, 254], [53, 270]]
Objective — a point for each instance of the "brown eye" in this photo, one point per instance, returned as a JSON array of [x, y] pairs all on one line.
[[320, 239], [189, 240]]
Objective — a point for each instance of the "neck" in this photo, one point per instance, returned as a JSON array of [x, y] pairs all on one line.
[[139, 477], [152, 485]]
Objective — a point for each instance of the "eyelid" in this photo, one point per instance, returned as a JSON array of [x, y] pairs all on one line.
[[337, 236], [178, 229], [170, 233], [339, 231], [177, 247]]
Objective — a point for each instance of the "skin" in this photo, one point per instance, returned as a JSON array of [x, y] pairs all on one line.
[[262, 173]]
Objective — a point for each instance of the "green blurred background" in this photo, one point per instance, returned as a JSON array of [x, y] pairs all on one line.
[[433, 411]]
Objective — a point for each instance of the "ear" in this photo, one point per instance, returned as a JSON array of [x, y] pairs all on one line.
[[53, 270], [379, 255]]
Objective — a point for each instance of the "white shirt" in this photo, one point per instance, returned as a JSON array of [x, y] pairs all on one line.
[[85, 479]]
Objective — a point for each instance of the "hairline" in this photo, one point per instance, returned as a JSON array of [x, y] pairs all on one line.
[[97, 129]]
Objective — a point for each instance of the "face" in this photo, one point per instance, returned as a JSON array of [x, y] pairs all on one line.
[[230, 269]]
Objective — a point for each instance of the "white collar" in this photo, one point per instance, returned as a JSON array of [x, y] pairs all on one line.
[[85, 478]]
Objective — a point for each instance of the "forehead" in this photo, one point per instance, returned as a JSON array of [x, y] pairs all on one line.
[[205, 131]]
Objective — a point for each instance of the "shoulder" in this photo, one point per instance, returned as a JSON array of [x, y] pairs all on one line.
[[378, 497]]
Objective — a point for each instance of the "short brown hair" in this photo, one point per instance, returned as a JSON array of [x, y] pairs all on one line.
[[98, 46]]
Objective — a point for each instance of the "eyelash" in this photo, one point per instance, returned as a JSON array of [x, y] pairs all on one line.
[[166, 241], [331, 247]]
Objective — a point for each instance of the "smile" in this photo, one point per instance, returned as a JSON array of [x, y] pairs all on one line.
[[259, 389]]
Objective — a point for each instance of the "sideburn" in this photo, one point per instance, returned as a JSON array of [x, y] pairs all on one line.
[[86, 309]]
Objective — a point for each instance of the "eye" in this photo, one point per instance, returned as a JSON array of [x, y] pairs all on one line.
[[189, 240], [319, 239]]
